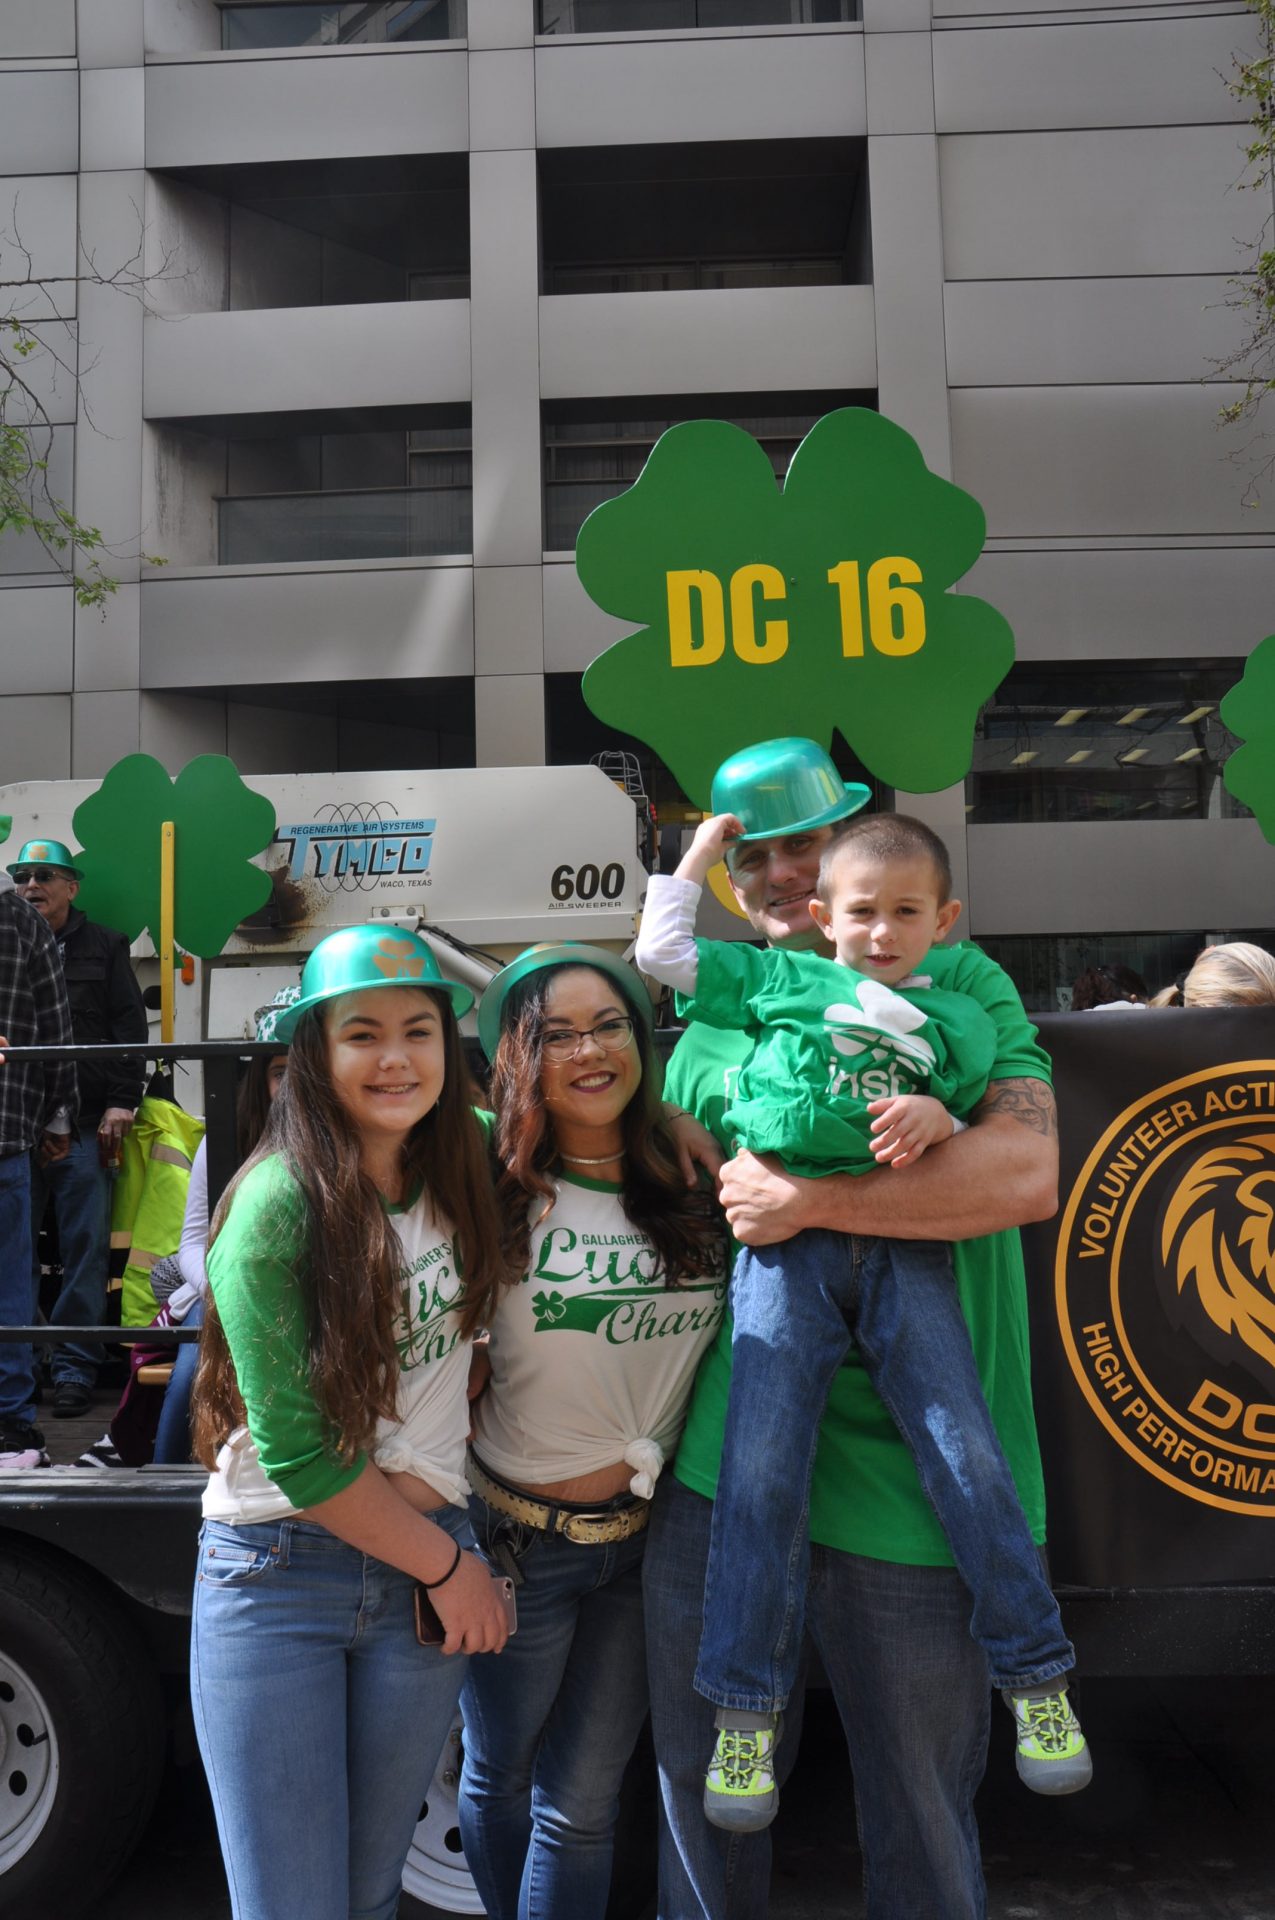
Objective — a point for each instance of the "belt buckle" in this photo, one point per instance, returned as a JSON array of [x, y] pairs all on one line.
[[584, 1519]]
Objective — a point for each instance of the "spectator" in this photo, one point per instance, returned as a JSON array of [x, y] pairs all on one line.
[[37, 1106], [106, 1005], [1108, 986], [1235, 974]]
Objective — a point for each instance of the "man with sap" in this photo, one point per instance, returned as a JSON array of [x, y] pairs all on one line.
[[106, 1005], [885, 1607]]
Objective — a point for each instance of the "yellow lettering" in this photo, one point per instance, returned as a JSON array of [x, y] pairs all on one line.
[[1224, 1411], [1258, 1424], [684, 649], [743, 628], [845, 578], [896, 612]]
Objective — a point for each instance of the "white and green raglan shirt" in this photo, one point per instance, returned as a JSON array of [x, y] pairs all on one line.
[[593, 1351], [285, 1457]]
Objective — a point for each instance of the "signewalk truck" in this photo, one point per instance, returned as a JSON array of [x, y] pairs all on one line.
[[1152, 1298]]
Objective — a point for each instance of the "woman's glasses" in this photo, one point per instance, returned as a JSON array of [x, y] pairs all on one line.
[[564, 1043]]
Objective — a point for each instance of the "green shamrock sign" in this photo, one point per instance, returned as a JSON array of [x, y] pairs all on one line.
[[1248, 711], [219, 824], [767, 612]]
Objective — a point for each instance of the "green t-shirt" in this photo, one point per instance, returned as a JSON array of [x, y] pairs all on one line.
[[826, 1041], [865, 1496]]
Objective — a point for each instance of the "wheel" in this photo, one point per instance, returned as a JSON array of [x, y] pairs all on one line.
[[81, 1738], [435, 1874], [436, 1881]]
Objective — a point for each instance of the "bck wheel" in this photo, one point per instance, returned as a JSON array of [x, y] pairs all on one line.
[[81, 1738]]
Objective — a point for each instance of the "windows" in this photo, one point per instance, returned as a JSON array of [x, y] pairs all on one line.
[[685, 215], [1104, 741], [358, 23], [655, 16], [595, 449]]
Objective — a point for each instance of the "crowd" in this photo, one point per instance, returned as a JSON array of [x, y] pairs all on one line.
[[490, 1422]]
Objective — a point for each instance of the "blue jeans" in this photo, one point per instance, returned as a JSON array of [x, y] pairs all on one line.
[[911, 1688], [550, 1724], [17, 1375], [319, 1717], [172, 1435], [796, 1306], [80, 1190]]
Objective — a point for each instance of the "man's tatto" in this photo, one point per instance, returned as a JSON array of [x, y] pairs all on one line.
[[1027, 1100]]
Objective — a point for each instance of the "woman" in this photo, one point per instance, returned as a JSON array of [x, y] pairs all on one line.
[[1233, 974], [593, 1351], [331, 1405], [1109, 985]]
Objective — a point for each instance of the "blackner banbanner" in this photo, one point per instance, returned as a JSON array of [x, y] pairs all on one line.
[[1153, 1299]]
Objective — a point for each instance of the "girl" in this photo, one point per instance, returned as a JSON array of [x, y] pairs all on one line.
[[592, 1352], [351, 1260]]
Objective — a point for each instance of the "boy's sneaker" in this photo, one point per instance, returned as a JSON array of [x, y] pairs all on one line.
[[739, 1788], [1052, 1756], [21, 1447]]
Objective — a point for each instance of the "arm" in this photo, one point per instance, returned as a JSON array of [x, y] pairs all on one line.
[[192, 1249], [666, 941], [372, 1517], [127, 1014], [1001, 1172], [259, 1303], [666, 946]]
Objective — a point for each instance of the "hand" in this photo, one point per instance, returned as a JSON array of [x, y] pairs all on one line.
[[695, 1145], [763, 1202], [905, 1126], [112, 1127], [3, 1044], [712, 837], [470, 1608], [53, 1147]]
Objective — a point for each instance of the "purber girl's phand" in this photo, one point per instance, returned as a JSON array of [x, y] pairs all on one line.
[[351, 1260], [857, 1062], [594, 1347]]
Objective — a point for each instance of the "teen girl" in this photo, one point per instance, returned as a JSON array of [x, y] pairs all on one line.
[[620, 1289], [351, 1259]]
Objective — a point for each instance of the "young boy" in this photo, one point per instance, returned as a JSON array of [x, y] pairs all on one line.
[[857, 1062]]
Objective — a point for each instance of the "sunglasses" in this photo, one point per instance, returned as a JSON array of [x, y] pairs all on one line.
[[24, 874]]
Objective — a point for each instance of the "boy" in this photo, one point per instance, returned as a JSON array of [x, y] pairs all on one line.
[[857, 1062]]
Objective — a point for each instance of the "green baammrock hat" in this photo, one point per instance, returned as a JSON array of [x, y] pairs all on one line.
[[269, 1017], [784, 786], [563, 953], [368, 957], [45, 853]]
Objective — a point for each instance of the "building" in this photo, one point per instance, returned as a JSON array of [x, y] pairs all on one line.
[[424, 280]]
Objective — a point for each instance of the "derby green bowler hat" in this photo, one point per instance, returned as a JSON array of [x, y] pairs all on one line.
[[45, 853], [361, 957], [784, 786], [563, 953]]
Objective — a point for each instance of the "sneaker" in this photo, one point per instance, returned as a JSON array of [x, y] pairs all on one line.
[[21, 1447], [101, 1454], [1052, 1756], [71, 1398], [739, 1788]]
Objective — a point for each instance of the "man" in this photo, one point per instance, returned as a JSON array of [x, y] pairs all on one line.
[[37, 1105], [106, 1005], [885, 1609]]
